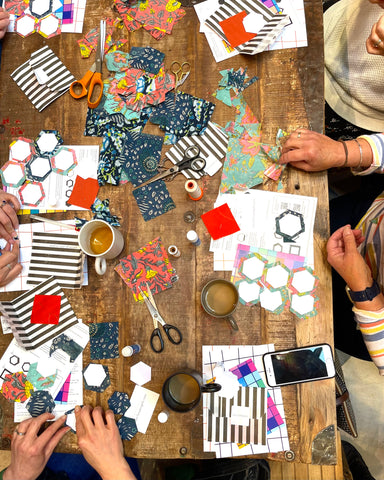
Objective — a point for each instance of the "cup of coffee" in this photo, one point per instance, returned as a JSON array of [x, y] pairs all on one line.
[[99, 239], [182, 391], [219, 298]]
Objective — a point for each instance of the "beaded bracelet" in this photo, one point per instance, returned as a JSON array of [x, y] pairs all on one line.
[[345, 164]]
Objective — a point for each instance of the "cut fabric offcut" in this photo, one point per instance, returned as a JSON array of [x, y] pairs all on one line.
[[84, 192], [16, 387]]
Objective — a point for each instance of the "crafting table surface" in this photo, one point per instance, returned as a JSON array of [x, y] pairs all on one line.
[[288, 94]]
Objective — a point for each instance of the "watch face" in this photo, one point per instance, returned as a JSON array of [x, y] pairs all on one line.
[[348, 290]]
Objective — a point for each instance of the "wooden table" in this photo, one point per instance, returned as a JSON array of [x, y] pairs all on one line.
[[289, 94]]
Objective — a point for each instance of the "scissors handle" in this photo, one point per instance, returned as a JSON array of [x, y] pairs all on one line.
[[169, 329], [78, 88], [96, 84], [156, 341]]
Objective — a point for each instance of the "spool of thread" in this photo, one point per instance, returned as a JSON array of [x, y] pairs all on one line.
[[174, 251], [163, 416], [193, 238], [130, 350], [194, 191]]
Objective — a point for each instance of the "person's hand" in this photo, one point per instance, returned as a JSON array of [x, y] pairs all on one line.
[[99, 440], [4, 22], [9, 205], [30, 452], [375, 41], [311, 151], [9, 266]]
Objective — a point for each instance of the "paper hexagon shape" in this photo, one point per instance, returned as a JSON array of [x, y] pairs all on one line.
[[249, 292], [48, 141], [40, 8], [32, 194], [25, 25], [119, 403], [127, 427], [12, 174], [276, 276], [38, 168], [40, 402], [252, 267], [22, 150], [290, 225], [273, 301], [303, 281], [96, 377], [64, 160], [304, 306], [140, 373], [49, 26]]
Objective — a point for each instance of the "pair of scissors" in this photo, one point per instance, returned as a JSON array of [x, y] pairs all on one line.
[[191, 161], [181, 72], [92, 82], [172, 332]]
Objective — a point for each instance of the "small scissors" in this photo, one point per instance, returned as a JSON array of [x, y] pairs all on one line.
[[92, 79], [191, 160], [181, 72], [158, 346]]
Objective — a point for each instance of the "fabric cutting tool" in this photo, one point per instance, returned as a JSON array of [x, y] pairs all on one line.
[[173, 333], [191, 161], [181, 72], [92, 84]]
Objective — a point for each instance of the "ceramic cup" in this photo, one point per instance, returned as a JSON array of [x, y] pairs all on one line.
[[219, 298], [113, 247], [182, 391]]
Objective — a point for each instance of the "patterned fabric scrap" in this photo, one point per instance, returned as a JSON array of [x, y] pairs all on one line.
[[16, 387], [127, 428], [101, 212], [146, 58], [104, 340], [39, 403], [150, 264], [119, 403], [67, 345], [182, 115], [39, 381], [234, 82], [89, 42]]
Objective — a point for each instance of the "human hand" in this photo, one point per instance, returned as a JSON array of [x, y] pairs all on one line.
[[311, 151], [9, 266], [375, 41], [4, 22], [99, 440], [9, 205], [30, 452]]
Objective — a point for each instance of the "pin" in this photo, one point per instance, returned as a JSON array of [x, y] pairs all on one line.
[[193, 238], [130, 350], [194, 191], [174, 251]]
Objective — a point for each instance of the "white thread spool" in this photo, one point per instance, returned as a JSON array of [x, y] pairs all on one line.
[[194, 191], [193, 238], [174, 251]]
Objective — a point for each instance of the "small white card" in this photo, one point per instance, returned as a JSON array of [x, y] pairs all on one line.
[[143, 403]]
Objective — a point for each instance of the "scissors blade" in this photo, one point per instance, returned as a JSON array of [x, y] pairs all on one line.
[[159, 176], [100, 46]]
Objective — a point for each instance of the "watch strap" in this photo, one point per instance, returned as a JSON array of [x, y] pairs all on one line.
[[365, 295]]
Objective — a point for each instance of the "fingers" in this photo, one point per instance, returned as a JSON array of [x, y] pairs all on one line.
[[85, 419], [349, 240], [98, 417], [110, 419], [53, 434], [80, 429], [37, 422], [375, 42], [9, 266]]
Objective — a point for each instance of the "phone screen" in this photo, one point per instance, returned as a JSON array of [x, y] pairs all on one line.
[[299, 365]]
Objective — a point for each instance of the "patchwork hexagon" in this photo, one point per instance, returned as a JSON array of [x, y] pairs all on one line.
[[252, 267], [276, 276], [40, 402], [303, 281], [40, 8], [304, 306], [140, 373], [48, 140], [96, 377], [38, 168], [249, 292], [273, 301], [49, 26], [64, 160], [22, 149], [119, 403], [25, 25], [32, 194], [290, 225], [12, 174], [127, 428]]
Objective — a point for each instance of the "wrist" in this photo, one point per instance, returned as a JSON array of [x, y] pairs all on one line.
[[120, 470]]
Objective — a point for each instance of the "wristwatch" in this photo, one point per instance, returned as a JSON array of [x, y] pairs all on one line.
[[364, 295]]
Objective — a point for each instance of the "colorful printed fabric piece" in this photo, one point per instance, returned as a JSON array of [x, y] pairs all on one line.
[[117, 61], [156, 16], [234, 81], [104, 340], [234, 29], [62, 396], [46, 309], [15, 7], [146, 58], [101, 210], [89, 42], [67, 345], [39, 403], [16, 387], [182, 116], [119, 403], [150, 264], [39, 381], [127, 428], [84, 192]]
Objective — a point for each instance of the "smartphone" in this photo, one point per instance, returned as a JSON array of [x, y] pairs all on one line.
[[297, 365]]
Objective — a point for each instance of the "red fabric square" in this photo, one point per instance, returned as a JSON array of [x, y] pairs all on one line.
[[220, 222], [84, 192], [46, 309], [234, 30]]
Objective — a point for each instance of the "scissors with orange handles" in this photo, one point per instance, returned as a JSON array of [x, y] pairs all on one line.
[[91, 84]]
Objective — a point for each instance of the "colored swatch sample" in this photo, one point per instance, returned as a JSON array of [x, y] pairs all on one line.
[[220, 222], [46, 309]]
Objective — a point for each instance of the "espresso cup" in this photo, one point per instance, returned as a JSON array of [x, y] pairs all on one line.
[[219, 298], [182, 391], [99, 239]]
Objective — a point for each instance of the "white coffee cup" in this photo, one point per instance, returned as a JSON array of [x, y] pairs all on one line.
[[117, 244]]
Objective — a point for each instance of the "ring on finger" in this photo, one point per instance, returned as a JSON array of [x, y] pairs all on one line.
[[376, 45], [20, 434], [298, 134], [9, 266]]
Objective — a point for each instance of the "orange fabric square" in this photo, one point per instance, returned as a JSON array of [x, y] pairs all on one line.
[[234, 30], [46, 309], [84, 192]]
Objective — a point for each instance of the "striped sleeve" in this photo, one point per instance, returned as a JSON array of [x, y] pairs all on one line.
[[376, 142], [371, 325]]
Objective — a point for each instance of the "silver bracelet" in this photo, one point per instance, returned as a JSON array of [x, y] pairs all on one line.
[[361, 155]]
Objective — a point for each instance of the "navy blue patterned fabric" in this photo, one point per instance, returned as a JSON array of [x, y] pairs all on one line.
[[104, 340], [127, 428], [40, 402], [119, 402], [146, 58], [67, 345]]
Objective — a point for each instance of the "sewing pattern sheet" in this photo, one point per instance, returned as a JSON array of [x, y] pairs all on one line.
[[230, 356]]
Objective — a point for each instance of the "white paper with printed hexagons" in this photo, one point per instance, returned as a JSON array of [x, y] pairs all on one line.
[[249, 292]]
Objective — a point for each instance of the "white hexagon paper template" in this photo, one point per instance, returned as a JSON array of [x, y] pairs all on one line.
[[289, 225], [49, 26], [276, 276], [304, 306], [25, 25], [249, 292], [32, 193], [253, 266], [38, 168], [94, 374], [48, 140], [140, 373], [303, 280], [273, 301], [21, 150], [64, 160], [12, 174], [40, 8]]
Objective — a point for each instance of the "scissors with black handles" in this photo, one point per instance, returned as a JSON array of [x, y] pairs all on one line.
[[173, 333], [191, 161]]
